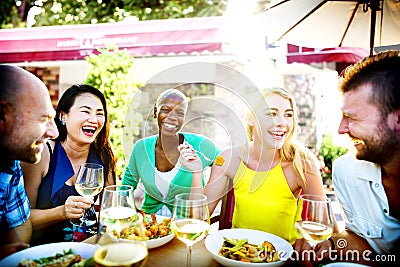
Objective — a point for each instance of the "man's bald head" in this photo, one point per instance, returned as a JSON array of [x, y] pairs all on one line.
[[17, 84], [26, 115]]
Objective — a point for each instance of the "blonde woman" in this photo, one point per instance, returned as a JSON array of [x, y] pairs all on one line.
[[269, 172]]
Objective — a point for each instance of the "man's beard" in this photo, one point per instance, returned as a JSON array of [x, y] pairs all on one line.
[[378, 149]]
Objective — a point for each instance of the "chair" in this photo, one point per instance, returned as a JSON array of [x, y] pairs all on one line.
[[227, 206]]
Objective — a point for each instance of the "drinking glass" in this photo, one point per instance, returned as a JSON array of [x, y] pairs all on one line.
[[118, 215], [88, 183], [317, 221], [190, 220]]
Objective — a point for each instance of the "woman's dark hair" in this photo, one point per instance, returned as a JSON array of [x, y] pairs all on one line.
[[101, 146]]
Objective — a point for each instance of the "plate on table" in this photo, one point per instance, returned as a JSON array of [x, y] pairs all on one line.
[[214, 241], [85, 250], [344, 264], [159, 241], [155, 241]]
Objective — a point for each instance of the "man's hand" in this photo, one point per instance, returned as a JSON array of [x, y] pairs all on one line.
[[308, 255], [9, 249]]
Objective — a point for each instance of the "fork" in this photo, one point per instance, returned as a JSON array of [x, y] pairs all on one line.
[[199, 152], [204, 156]]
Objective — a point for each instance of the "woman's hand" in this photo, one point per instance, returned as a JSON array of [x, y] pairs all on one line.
[[75, 206], [189, 159]]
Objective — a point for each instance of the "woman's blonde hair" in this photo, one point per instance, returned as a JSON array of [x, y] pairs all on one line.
[[290, 151]]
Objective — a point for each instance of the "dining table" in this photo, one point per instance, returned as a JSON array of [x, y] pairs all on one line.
[[173, 254]]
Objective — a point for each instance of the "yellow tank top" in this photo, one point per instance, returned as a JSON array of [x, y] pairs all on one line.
[[264, 201]]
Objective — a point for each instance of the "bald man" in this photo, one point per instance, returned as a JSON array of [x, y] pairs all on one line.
[[26, 122]]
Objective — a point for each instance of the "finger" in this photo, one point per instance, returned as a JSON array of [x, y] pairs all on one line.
[[298, 244], [188, 146], [190, 154], [9, 249], [79, 206], [21, 246], [183, 145], [83, 200], [191, 158], [185, 154]]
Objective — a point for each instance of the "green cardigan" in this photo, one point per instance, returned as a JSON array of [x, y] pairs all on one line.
[[142, 164]]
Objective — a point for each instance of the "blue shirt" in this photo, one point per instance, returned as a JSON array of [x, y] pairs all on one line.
[[359, 188], [14, 203]]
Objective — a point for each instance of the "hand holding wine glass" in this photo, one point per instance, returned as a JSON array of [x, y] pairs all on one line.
[[88, 183], [317, 221], [190, 220]]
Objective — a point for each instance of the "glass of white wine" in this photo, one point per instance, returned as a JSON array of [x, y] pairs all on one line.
[[88, 183], [118, 216], [190, 220], [317, 222]]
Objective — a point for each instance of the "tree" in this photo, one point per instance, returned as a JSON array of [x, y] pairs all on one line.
[[13, 15], [111, 71], [61, 12]]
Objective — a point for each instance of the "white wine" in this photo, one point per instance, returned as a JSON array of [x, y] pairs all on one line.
[[117, 218], [190, 231], [313, 231], [88, 191], [122, 254]]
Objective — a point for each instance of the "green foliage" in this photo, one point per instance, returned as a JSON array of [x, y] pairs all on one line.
[[11, 15], [67, 12], [162, 9], [329, 152], [111, 71], [61, 12]]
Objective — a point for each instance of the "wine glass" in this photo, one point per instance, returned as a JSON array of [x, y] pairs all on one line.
[[190, 220], [118, 216], [317, 221], [88, 183]]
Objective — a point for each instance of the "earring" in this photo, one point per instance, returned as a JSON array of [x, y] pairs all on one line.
[[63, 122], [155, 112]]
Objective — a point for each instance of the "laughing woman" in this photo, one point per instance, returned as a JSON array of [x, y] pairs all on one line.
[[82, 121], [155, 160], [268, 173]]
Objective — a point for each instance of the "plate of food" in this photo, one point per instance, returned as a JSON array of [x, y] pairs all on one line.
[[157, 230], [238, 247], [344, 264], [70, 253]]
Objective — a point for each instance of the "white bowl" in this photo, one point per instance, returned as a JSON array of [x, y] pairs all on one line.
[[344, 264], [214, 241], [157, 242], [85, 250]]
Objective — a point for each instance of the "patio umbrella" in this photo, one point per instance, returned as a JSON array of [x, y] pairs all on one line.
[[332, 23]]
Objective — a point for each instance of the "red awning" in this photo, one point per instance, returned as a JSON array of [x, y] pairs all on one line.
[[144, 38], [339, 54]]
